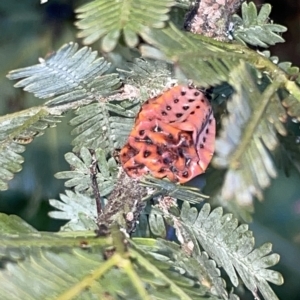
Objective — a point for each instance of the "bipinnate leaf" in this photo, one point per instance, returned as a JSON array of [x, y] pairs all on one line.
[[12, 224], [166, 187], [232, 247], [198, 265], [255, 28], [108, 20], [157, 224], [78, 265], [207, 63], [293, 105], [248, 132], [68, 75], [17, 130], [19, 240], [79, 209], [290, 98], [148, 77], [80, 176], [104, 125]]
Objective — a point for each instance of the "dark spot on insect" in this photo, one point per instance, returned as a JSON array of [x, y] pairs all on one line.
[[191, 100], [140, 166], [159, 151], [192, 112], [190, 87], [176, 100], [201, 146], [179, 115], [164, 113], [168, 107], [209, 121], [146, 153], [166, 161], [198, 106], [170, 136], [183, 93], [150, 119], [185, 107], [157, 129], [141, 132], [148, 140], [185, 143], [130, 169], [180, 152], [185, 174], [204, 139], [161, 170], [202, 100], [207, 131], [137, 139], [196, 93], [173, 169], [146, 102]]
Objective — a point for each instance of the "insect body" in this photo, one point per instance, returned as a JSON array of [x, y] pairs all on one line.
[[173, 136]]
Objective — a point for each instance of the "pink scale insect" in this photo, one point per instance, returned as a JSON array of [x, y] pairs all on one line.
[[173, 136]]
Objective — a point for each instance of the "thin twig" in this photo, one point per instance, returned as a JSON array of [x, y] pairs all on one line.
[[95, 187], [90, 279]]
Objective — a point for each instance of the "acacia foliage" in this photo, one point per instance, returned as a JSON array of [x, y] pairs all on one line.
[[105, 98]]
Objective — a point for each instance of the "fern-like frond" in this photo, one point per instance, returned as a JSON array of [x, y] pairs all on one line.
[[232, 247], [68, 75], [255, 28], [247, 133], [19, 240], [196, 56], [185, 4], [165, 187], [11, 224], [148, 76], [78, 265], [156, 224], [95, 126], [80, 176], [198, 266], [289, 100], [17, 130], [213, 188], [291, 71], [80, 211], [109, 19], [293, 105], [208, 62]]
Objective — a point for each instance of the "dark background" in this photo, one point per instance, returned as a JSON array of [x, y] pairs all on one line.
[[29, 31]]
